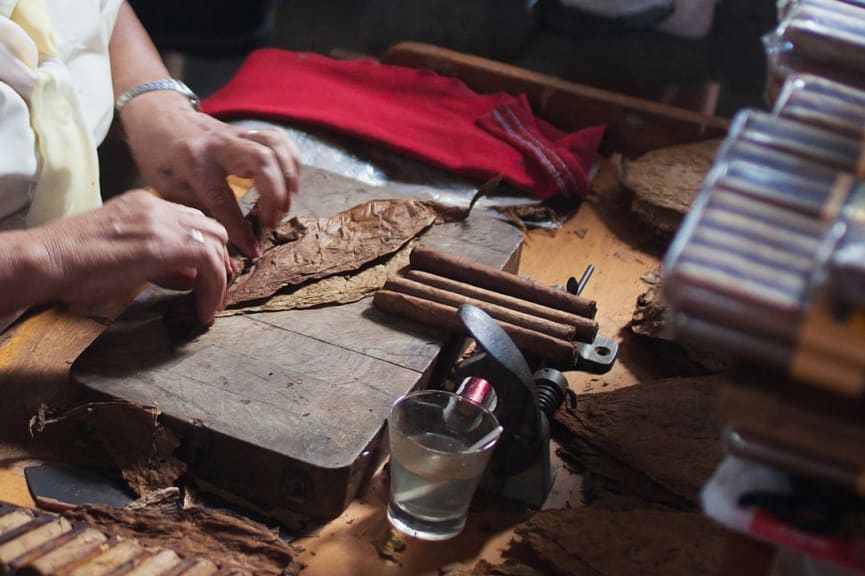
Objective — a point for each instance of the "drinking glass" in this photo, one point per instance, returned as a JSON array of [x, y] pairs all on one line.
[[440, 444]]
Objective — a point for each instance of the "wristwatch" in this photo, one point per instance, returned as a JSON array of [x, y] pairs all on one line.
[[165, 84]]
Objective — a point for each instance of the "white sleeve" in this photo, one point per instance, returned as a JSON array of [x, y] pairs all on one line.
[[109, 10], [83, 31], [18, 157]]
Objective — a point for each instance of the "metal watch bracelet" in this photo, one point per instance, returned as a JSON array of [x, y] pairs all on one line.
[[166, 84]]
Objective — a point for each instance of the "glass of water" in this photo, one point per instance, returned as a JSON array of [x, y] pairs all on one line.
[[440, 444]]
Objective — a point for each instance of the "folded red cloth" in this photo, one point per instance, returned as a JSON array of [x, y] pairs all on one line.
[[429, 117]]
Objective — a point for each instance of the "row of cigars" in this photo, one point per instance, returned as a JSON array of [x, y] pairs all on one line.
[[768, 267], [824, 38], [40, 544], [544, 322], [769, 264]]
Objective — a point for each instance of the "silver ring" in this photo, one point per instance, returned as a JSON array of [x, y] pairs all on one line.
[[196, 235], [250, 134]]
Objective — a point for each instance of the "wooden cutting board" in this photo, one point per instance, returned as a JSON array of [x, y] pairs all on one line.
[[285, 410]]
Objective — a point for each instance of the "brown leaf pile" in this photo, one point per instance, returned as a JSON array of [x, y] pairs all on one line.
[[658, 441], [307, 249], [622, 543], [227, 540]]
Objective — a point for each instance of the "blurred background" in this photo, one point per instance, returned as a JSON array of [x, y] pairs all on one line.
[[706, 57]]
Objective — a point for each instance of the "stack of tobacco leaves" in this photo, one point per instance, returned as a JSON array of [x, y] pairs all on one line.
[[609, 543], [354, 251], [657, 441], [145, 542]]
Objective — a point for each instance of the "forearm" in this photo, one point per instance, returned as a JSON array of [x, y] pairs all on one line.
[[25, 272], [134, 61]]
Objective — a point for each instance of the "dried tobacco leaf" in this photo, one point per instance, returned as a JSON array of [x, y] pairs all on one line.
[[228, 540], [658, 441], [306, 249], [612, 543], [131, 435], [337, 289]]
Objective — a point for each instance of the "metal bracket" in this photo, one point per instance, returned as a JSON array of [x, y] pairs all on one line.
[[598, 356]]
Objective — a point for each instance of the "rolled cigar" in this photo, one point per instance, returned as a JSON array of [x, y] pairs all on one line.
[[195, 567], [746, 227], [762, 272], [492, 297], [735, 312], [729, 287], [562, 353], [12, 518], [585, 331], [798, 139], [799, 194], [412, 288], [741, 344], [720, 239], [86, 544], [113, 559], [762, 212], [18, 542], [755, 448], [464, 270], [163, 560]]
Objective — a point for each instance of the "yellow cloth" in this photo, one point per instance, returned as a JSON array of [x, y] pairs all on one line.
[[68, 178]]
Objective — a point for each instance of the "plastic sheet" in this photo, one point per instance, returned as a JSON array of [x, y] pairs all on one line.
[[767, 266], [817, 37], [823, 104], [380, 167]]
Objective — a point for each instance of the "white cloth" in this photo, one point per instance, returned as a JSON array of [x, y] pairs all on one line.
[[82, 30]]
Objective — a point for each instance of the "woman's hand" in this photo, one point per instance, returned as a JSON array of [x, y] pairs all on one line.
[[186, 156], [133, 238]]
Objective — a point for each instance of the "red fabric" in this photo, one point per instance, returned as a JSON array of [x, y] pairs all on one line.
[[429, 117]]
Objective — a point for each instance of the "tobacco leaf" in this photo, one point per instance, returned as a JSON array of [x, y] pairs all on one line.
[[338, 289], [651, 321], [229, 541], [657, 441], [650, 315], [665, 181], [524, 215], [620, 543], [306, 249], [131, 435]]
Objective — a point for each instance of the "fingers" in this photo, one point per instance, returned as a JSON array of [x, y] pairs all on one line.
[[193, 253], [266, 156], [252, 159], [221, 204], [134, 238], [182, 278], [211, 282], [269, 158], [204, 254], [287, 155], [194, 219]]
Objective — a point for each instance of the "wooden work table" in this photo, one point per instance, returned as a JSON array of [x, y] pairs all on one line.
[[36, 353], [35, 356]]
